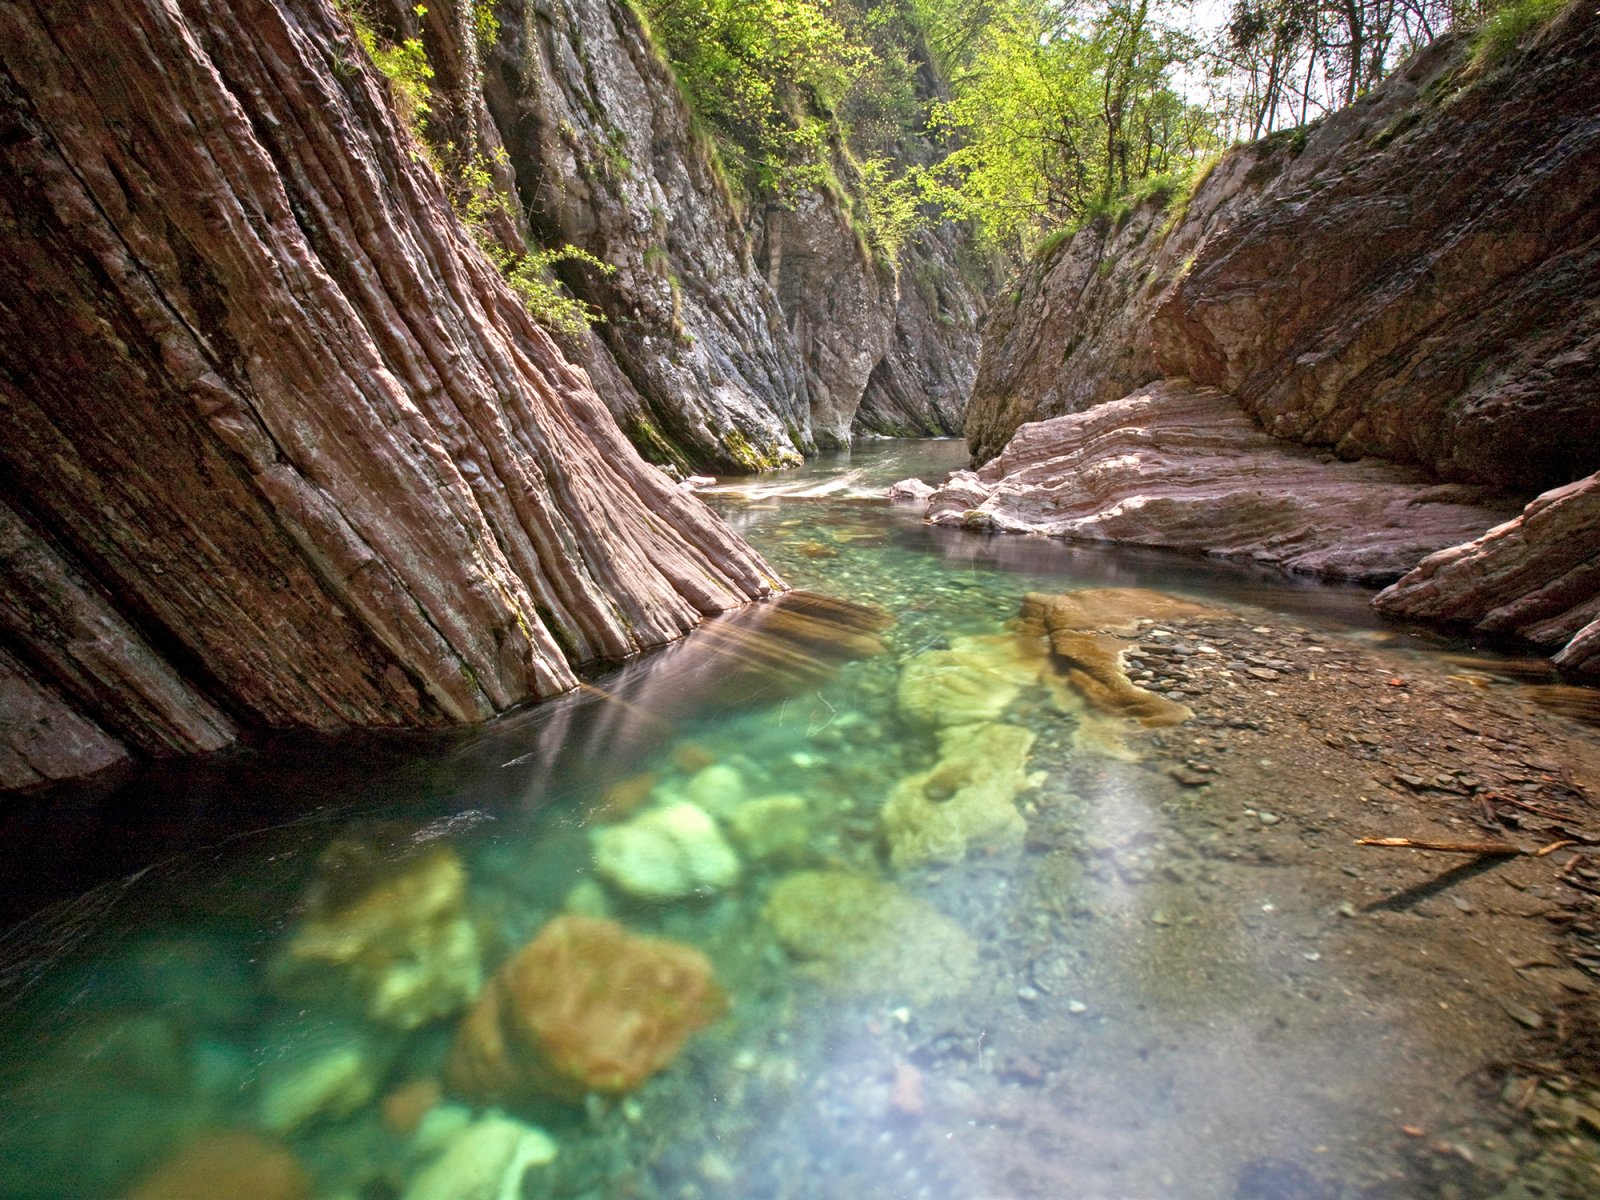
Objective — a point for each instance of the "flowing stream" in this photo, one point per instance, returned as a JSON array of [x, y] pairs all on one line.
[[1149, 965]]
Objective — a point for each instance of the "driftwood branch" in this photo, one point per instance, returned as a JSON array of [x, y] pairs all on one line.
[[1482, 849]]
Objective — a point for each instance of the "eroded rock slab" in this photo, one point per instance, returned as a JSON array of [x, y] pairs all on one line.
[[1536, 576], [1183, 467]]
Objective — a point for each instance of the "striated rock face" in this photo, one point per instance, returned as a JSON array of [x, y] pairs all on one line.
[[276, 444], [1183, 467], [1416, 278], [733, 341], [919, 388], [701, 366], [1536, 576]]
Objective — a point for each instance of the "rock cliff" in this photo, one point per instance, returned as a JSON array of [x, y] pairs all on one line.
[[1415, 279], [277, 446], [737, 339]]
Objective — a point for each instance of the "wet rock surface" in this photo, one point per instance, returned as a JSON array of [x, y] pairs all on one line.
[[1536, 576], [1184, 467]]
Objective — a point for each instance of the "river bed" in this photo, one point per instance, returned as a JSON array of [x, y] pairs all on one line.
[[1148, 960]]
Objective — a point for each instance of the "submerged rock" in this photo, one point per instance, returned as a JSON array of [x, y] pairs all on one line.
[[772, 828], [966, 802], [485, 1161], [232, 1164], [975, 680], [869, 936], [584, 1007], [318, 1071], [665, 853], [387, 929]]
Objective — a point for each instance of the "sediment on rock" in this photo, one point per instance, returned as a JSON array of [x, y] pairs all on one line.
[[268, 407]]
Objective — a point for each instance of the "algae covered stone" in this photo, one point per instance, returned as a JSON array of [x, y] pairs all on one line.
[[772, 828], [974, 681], [665, 853], [487, 1160], [966, 801], [585, 1007], [386, 931], [227, 1163], [867, 935]]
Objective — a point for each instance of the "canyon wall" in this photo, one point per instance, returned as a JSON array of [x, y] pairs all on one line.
[[739, 336], [277, 445], [1416, 278], [1412, 283]]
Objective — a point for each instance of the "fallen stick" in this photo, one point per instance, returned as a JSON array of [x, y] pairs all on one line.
[[1483, 849]]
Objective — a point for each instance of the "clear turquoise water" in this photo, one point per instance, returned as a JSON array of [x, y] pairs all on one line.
[[146, 1010]]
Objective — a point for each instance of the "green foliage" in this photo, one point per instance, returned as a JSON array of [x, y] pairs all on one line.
[[892, 206], [764, 75], [485, 25], [468, 176], [530, 277], [1057, 112], [406, 67], [1509, 24]]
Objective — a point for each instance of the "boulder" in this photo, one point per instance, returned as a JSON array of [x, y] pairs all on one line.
[[584, 1007], [1184, 467], [869, 936], [487, 1160], [665, 853], [1536, 576], [966, 802], [387, 931], [230, 1163], [974, 681]]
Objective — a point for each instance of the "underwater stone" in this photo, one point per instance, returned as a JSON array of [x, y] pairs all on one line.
[[867, 935], [386, 925], [975, 680], [320, 1073], [965, 801], [485, 1161], [772, 827], [585, 1007], [1090, 659], [715, 788], [232, 1164], [665, 854]]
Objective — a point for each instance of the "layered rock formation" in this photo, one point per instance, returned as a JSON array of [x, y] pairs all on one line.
[[277, 446], [733, 340], [1412, 278], [1183, 467], [1536, 576], [1413, 283]]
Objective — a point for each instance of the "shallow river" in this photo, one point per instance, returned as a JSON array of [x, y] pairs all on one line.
[[1114, 981]]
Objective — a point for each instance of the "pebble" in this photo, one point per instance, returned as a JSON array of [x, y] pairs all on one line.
[[1077, 1007], [1267, 818], [1028, 995]]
